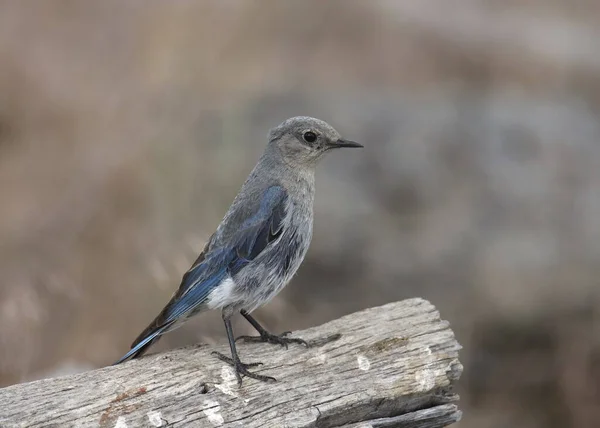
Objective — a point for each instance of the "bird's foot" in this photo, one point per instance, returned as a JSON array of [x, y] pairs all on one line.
[[274, 339], [241, 369]]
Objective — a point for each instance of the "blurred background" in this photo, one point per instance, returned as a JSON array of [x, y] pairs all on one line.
[[126, 129]]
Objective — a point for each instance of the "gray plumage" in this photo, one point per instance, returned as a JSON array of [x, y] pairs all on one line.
[[261, 240]]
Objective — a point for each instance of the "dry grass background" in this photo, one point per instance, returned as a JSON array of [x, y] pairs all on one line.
[[126, 128]]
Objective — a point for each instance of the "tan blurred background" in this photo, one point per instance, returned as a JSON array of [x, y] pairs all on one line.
[[126, 128]]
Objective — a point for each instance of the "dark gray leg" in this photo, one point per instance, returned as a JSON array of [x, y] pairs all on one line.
[[241, 369], [265, 336]]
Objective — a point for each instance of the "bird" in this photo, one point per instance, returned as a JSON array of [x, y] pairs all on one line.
[[259, 244]]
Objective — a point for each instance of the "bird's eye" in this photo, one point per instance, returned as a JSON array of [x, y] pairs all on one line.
[[309, 137]]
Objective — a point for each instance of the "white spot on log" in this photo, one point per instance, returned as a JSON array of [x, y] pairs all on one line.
[[363, 363], [426, 379], [426, 376], [155, 418], [229, 381], [121, 422], [212, 410]]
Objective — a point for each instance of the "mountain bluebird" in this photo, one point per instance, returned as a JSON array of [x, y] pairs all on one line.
[[259, 244]]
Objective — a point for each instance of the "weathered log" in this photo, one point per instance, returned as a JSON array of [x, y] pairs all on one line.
[[392, 366]]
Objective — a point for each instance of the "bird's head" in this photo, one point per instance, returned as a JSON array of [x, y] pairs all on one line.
[[303, 140]]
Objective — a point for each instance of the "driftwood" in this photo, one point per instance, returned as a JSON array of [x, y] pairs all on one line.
[[392, 366]]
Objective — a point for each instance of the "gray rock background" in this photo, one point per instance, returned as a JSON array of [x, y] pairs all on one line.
[[126, 128]]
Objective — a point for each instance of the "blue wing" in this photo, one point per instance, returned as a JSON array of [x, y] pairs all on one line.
[[215, 263]]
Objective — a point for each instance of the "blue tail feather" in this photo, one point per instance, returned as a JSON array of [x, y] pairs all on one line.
[[139, 349]]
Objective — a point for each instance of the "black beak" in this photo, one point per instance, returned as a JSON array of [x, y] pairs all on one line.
[[346, 143]]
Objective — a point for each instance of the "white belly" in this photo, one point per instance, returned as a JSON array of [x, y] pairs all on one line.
[[222, 295]]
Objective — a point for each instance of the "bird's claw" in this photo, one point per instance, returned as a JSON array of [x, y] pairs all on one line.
[[241, 369], [274, 339], [230, 361]]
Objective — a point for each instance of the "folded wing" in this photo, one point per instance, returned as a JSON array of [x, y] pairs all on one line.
[[215, 264]]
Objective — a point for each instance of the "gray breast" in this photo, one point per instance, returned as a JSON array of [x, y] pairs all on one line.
[[266, 276], [292, 248]]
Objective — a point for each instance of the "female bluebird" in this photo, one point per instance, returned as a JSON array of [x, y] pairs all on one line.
[[259, 244]]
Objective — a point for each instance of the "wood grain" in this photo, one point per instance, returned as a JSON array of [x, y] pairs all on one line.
[[392, 366]]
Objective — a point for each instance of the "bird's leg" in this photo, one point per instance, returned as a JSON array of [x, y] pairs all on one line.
[[239, 367], [265, 336]]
